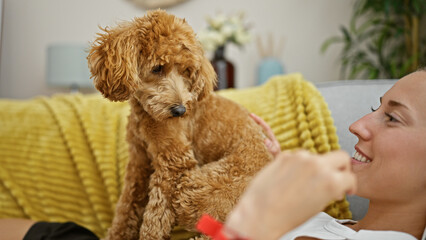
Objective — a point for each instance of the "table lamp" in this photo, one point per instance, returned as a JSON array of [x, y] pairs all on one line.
[[67, 66]]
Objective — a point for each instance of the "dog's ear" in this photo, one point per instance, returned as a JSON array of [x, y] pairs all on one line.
[[113, 63], [206, 79]]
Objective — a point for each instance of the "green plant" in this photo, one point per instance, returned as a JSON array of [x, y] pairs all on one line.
[[383, 40]]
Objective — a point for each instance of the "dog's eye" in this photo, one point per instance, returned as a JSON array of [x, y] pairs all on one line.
[[157, 69], [187, 72]]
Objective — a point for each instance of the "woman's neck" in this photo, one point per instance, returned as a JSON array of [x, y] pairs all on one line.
[[408, 218]]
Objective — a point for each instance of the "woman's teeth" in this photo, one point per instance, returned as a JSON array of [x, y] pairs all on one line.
[[357, 156]]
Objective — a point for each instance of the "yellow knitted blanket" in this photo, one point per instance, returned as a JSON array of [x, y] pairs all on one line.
[[63, 158]]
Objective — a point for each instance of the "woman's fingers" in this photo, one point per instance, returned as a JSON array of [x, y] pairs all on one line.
[[273, 148], [332, 170], [347, 182], [264, 125], [338, 159], [271, 141], [342, 180]]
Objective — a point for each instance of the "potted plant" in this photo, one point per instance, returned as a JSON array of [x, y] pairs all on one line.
[[385, 39]]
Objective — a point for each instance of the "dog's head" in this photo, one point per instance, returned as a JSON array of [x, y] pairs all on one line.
[[156, 59]]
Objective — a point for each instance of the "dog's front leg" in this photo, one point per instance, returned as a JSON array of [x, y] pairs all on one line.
[[159, 216], [130, 207]]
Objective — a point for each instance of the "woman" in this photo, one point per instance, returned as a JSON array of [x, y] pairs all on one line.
[[389, 163]]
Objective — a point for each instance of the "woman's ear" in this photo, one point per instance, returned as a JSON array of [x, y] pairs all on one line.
[[206, 79], [113, 62]]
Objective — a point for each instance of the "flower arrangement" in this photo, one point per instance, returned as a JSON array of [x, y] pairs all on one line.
[[222, 29]]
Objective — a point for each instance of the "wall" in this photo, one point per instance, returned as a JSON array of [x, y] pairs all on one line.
[[29, 26]]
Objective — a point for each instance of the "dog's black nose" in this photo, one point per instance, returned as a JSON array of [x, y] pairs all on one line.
[[178, 111]]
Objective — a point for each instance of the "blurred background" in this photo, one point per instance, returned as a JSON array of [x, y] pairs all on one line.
[[30, 31]]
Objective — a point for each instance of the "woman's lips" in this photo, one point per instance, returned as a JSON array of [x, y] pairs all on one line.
[[358, 157]]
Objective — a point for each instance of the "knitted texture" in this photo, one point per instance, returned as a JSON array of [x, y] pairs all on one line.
[[63, 158]]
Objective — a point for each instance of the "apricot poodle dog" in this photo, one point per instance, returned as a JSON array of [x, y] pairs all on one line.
[[191, 151]]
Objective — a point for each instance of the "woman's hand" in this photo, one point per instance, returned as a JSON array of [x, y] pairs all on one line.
[[271, 141], [289, 191]]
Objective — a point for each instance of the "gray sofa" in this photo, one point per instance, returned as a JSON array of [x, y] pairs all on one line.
[[348, 101]]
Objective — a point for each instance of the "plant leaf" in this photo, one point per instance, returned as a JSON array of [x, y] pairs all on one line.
[[329, 41]]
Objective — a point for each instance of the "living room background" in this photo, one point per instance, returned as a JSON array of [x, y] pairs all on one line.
[[30, 26]]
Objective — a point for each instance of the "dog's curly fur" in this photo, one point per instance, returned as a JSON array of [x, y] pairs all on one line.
[[191, 151]]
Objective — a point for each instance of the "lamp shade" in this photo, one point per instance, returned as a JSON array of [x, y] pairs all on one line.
[[67, 66]]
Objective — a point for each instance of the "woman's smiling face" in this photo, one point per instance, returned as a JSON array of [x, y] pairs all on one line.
[[390, 158]]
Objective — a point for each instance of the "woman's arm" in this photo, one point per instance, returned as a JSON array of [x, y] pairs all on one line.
[[287, 192]]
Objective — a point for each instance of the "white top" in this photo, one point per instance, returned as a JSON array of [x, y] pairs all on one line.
[[323, 226]]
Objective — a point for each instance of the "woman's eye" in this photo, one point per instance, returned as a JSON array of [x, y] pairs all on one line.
[[390, 118], [157, 69]]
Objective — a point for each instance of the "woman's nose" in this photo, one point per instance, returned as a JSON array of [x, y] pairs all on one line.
[[363, 127]]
